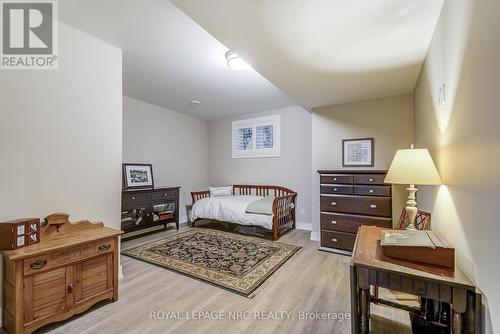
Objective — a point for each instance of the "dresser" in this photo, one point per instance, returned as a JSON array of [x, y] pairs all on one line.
[[73, 267], [145, 208], [350, 199]]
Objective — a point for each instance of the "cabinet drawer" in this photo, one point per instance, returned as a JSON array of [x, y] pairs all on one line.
[[336, 189], [364, 205], [351, 223], [162, 194], [370, 179], [136, 197], [373, 190], [336, 178], [338, 240]]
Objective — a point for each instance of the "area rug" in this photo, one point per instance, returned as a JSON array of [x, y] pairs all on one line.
[[236, 262]]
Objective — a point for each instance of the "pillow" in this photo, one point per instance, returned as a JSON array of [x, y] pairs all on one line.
[[263, 206], [221, 191]]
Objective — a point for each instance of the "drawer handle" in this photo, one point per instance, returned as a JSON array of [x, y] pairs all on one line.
[[104, 247], [371, 190], [39, 264], [165, 195], [71, 288], [371, 180], [334, 222], [373, 206], [334, 179], [334, 203], [334, 189], [334, 240], [133, 197]]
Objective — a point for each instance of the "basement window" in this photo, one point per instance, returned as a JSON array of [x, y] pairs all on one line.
[[256, 137]]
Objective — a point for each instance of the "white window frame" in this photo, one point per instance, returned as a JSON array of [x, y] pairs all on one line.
[[274, 120]]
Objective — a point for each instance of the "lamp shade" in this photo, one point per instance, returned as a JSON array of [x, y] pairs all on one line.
[[413, 166]]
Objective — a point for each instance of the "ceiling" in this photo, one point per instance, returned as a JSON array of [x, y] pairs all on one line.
[[169, 60], [324, 52]]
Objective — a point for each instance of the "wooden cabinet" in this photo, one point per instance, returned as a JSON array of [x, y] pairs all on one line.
[[350, 199], [73, 267], [145, 208]]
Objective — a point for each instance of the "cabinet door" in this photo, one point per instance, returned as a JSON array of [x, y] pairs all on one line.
[[46, 293], [93, 277]]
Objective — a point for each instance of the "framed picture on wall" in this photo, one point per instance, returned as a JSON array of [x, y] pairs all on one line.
[[137, 176], [358, 152]]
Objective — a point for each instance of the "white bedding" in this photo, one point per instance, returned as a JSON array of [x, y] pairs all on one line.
[[230, 209]]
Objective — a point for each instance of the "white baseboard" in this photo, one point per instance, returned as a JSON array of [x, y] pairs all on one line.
[[120, 272], [315, 236], [303, 226]]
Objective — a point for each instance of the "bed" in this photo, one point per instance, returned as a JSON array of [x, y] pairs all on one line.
[[232, 209]]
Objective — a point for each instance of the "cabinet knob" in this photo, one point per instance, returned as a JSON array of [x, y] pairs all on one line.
[[133, 197], [371, 190], [334, 222], [373, 206], [334, 189], [334, 203], [38, 264], [334, 179], [371, 180], [165, 195], [334, 240], [71, 288], [104, 247]]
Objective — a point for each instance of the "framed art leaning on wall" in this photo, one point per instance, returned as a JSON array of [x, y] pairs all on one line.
[[137, 176], [358, 152]]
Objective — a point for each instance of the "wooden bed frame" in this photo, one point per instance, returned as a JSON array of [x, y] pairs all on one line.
[[283, 204]]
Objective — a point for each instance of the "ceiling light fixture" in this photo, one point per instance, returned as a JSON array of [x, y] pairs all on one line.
[[234, 62]]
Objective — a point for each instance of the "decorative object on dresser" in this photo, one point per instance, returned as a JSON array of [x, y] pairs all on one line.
[[348, 200], [144, 208], [358, 152], [137, 176], [72, 267], [236, 262], [414, 167], [281, 219], [19, 233], [422, 220], [442, 285]]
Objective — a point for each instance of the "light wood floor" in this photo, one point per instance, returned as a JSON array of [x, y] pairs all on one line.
[[311, 281]]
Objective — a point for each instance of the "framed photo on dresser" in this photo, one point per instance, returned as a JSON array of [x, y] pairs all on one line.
[[358, 152], [137, 176]]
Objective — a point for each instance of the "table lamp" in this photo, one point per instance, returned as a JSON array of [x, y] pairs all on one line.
[[414, 167]]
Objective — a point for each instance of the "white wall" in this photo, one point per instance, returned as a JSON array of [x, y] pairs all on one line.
[[389, 120], [60, 134], [174, 143], [464, 139], [292, 169]]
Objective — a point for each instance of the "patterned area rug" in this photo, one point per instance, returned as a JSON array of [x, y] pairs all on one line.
[[235, 262]]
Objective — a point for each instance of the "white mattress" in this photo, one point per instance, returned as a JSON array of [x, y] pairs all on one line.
[[230, 209]]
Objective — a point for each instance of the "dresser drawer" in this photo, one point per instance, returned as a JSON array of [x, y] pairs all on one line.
[[365, 205], [339, 240], [162, 194], [373, 190], [336, 178], [350, 223], [136, 197], [369, 179], [336, 189]]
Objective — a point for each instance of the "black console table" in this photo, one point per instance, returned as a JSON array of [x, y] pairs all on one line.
[[145, 208]]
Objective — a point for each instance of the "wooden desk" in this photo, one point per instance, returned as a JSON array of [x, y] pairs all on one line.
[[370, 267]]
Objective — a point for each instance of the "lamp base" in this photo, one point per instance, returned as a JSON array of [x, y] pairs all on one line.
[[411, 207]]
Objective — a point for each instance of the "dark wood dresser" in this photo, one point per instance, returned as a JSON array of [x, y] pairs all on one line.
[[145, 208], [348, 200]]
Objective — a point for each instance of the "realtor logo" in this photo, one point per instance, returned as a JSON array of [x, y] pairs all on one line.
[[29, 34]]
